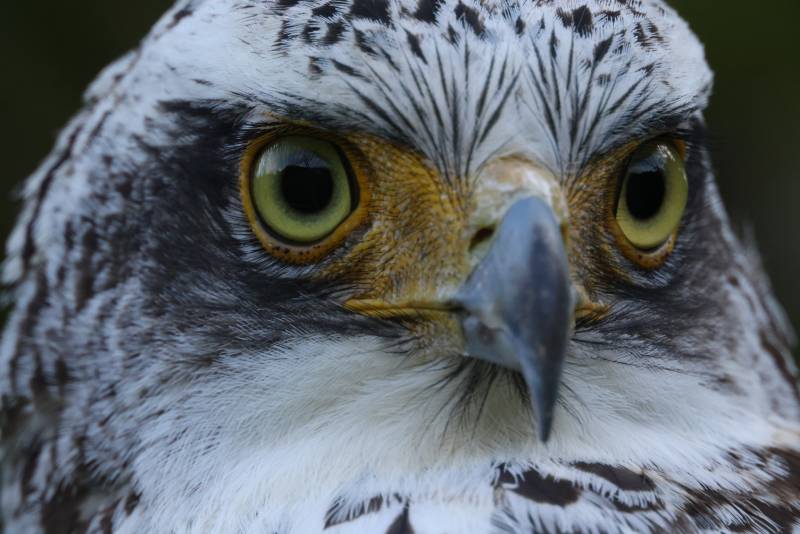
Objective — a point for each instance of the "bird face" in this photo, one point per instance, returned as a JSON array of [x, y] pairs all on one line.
[[421, 237], [466, 266], [320, 241], [482, 205]]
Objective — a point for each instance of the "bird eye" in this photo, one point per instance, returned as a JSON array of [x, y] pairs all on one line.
[[301, 189], [652, 196]]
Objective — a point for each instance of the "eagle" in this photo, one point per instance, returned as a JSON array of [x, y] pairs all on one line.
[[394, 266]]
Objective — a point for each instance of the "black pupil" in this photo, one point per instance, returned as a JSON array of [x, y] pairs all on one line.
[[645, 190], [307, 189]]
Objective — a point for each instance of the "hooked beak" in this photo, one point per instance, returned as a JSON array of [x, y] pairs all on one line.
[[518, 304]]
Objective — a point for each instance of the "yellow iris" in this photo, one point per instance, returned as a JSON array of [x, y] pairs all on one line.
[[653, 195], [301, 189]]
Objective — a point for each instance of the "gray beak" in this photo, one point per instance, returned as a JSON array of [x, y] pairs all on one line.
[[518, 304]]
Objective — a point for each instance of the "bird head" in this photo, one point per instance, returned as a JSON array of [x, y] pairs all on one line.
[[368, 236]]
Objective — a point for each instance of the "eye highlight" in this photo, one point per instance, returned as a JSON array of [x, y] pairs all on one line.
[[651, 201], [299, 193]]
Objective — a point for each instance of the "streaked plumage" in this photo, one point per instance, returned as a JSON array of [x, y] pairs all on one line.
[[163, 372]]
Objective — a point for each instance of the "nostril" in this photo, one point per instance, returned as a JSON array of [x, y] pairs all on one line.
[[481, 236]]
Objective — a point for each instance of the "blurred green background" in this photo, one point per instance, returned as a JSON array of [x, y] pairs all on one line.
[[52, 50]]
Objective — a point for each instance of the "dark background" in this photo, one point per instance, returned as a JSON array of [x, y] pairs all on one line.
[[52, 50]]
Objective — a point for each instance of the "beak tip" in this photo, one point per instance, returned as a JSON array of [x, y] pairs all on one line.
[[544, 426], [543, 409], [542, 379]]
